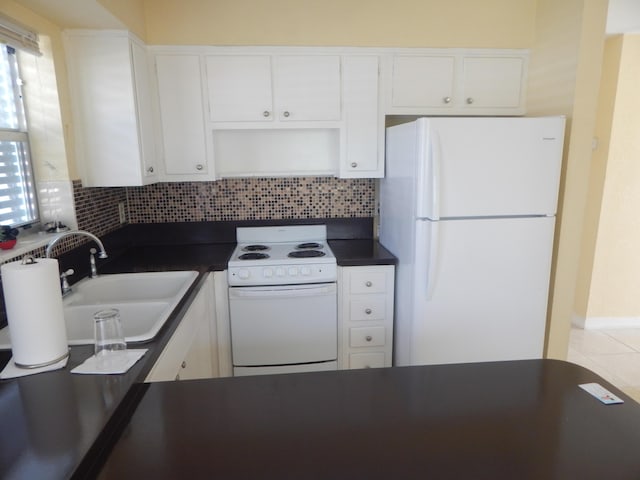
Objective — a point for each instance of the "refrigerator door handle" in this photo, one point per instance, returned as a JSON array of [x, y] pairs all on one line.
[[435, 157], [432, 260]]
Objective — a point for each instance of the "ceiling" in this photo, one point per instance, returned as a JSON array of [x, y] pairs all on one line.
[[624, 16]]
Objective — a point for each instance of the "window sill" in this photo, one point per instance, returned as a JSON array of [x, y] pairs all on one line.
[[27, 242]]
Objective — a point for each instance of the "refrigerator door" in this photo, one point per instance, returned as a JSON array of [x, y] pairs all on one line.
[[479, 288], [487, 167]]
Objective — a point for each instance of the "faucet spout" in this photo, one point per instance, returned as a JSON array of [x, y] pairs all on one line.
[[53, 242]]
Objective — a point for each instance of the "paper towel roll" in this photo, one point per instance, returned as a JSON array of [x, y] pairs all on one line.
[[34, 311]]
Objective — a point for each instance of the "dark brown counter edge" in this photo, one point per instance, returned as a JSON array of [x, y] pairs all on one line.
[[201, 246]]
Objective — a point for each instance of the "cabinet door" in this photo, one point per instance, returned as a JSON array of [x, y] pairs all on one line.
[[492, 82], [182, 117], [145, 112], [362, 122], [239, 88], [423, 81], [307, 87]]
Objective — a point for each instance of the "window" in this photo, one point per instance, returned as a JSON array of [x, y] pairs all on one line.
[[18, 202]]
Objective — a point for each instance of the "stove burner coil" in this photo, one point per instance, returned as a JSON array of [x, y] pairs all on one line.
[[306, 254], [309, 245], [253, 256], [255, 248]]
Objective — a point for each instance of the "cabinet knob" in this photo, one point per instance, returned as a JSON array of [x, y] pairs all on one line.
[[199, 167], [266, 113], [368, 338], [368, 311], [446, 99], [368, 283], [184, 364], [150, 170], [286, 114], [178, 377], [354, 164], [469, 100]]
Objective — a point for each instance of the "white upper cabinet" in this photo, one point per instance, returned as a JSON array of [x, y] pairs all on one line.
[[363, 152], [266, 88], [423, 81], [456, 82], [186, 155], [240, 88], [112, 105]]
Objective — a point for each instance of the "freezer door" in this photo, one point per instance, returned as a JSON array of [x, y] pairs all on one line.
[[480, 290], [485, 167]]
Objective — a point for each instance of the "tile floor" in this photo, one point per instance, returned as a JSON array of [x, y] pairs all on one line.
[[612, 354]]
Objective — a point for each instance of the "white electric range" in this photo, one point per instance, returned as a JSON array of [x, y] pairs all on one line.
[[283, 300]]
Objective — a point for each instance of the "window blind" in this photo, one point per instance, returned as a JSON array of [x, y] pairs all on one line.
[[18, 36]]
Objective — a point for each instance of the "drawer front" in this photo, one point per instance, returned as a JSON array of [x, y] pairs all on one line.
[[366, 336], [366, 360], [368, 308], [368, 282]]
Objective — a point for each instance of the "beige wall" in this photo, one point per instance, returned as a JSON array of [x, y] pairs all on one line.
[[409, 23], [564, 79], [615, 281]]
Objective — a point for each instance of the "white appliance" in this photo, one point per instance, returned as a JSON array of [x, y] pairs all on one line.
[[283, 301], [468, 206]]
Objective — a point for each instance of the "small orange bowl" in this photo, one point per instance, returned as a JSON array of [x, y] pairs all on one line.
[[8, 244]]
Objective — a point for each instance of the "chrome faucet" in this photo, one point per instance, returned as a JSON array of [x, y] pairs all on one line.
[[51, 244], [92, 263]]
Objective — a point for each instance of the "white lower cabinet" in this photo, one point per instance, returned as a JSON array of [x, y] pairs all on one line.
[[191, 352], [365, 316]]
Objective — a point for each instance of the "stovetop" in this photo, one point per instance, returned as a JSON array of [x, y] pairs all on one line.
[[282, 255]]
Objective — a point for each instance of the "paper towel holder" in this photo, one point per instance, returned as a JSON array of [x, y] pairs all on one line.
[[28, 260]]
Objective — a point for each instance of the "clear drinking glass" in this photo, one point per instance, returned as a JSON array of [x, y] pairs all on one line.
[[109, 338]]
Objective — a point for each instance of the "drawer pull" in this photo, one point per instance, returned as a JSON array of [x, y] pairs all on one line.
[[178, 377], [368, 338], [368, 311], [368, 283], [184, 364]]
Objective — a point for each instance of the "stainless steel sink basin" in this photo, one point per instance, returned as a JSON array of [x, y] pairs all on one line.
[[145, 301]]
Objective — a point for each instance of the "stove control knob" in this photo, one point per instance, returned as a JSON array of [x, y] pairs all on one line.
[[280, 272], [267, 273], [305, 271], [243, 274], [293, 271]]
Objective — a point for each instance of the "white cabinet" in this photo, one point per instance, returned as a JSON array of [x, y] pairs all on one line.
[[457, 83], [365, 316], [112, 105], [191, 351], [266, 88], [186, 152], [363, 152]]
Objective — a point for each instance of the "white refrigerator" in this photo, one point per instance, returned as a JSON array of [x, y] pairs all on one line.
[[468, 206]]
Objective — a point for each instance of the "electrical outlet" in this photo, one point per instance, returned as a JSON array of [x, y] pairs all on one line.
[[123, 216]]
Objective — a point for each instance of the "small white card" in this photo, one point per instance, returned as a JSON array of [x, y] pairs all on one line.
[[601, 393]]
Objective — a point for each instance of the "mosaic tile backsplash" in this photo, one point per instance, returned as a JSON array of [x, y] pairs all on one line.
[[251, 199]]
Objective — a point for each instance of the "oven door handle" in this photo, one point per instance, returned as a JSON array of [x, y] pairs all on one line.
[[282, 291]]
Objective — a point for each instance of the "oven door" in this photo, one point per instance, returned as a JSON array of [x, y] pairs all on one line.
[[283, 325]]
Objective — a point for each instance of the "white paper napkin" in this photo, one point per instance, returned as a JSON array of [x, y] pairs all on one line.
[[116, 363], [12, 371]]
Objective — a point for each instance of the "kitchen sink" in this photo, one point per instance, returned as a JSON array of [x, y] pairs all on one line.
[[145, 301]]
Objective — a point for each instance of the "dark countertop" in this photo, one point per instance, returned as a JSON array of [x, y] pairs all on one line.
[[56, 423], [355, 253], [504, 420]]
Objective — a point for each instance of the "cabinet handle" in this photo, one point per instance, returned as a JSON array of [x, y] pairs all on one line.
[[150, 169], [368, 283], [184, 364], [266, 113], [469, 100], [368, 311], [446, 99], [354, 164], [199, 167], [368, 338], [286, 114]]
